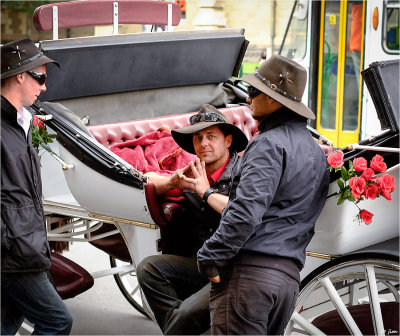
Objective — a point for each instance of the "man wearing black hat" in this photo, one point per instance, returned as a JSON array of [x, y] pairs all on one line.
[[176, 292], [26, 291], [254, 258]]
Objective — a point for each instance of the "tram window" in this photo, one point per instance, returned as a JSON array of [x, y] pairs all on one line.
[[391, 24], [295, 40], [352, 66]]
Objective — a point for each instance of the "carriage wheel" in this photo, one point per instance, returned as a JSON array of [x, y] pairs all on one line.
[[351, 295], [128, 285]]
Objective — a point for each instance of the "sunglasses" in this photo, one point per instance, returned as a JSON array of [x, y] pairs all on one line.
[[206, 116], [253, 92], [38, 76]]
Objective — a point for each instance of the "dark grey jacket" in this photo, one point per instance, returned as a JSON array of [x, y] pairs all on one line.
[[24, 246], [277, 195]]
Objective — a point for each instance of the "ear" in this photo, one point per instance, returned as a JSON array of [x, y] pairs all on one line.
[[20, 78], [228, 140], [269, 100]]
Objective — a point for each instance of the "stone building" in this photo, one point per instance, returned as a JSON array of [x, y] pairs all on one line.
[[264, 22]]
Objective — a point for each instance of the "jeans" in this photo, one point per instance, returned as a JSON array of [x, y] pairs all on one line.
[[32, 296], [252, 300], [177, 293]]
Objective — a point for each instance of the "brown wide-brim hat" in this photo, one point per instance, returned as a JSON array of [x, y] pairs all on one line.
[[20, 56], [206, 117], [283, 80]]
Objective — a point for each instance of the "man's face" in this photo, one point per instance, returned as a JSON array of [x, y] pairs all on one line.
[[212, 146], [263, 105], [31, 89]]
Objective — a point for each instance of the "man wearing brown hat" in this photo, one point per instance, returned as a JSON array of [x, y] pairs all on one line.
[[176, 292], [254, 258], [26, 291]]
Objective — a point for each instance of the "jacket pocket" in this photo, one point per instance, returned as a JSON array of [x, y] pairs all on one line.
[[27, 237], [22, 220], [5, 240]]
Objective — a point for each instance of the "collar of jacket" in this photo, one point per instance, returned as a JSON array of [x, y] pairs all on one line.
[[226, 174], [278, 118], [8, 111]]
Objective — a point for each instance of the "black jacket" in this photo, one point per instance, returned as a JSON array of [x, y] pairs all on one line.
[[277, 195], [24, 246]]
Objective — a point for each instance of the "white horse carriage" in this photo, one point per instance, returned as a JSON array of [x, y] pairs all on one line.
[[131, 85]]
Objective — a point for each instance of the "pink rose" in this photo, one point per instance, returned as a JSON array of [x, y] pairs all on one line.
[[36, 122], [335, 160], [372, 191], [377, 164], [366, 216], [360, 164], [357, 186], [368, 174], [387, 184]]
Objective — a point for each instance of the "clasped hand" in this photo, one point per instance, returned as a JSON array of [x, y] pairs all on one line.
[[193, 177]]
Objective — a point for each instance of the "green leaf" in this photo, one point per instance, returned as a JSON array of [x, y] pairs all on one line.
[[351, 165], [340, 200], [351, 198], [340, 184], [343, 171], [347, 193]]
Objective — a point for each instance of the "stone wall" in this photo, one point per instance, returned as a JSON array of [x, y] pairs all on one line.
[[255, 16]]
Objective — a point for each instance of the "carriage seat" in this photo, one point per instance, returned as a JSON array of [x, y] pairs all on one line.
[[111, 134], [114, 133], [69, 278]]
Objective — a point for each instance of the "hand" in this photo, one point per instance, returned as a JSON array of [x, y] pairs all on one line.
[[199, 182], [215, 279], [211, 272], [176, 180]]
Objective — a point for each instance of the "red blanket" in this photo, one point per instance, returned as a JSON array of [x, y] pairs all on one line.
[[156, 151]]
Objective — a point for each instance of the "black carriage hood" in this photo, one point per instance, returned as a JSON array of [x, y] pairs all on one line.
[[382, 80], [120, 63], [75, 137]]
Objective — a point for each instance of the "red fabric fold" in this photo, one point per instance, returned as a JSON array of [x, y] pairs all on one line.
[[153, 152]]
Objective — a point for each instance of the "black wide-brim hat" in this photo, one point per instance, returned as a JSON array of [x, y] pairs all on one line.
[[284, 80], [20, 56], [184, 136]]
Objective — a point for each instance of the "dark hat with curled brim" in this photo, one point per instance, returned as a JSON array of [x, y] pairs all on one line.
[[206, 117], [20, 56], [284, 80]]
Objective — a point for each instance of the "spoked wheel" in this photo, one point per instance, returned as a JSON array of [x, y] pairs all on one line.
[[128, 284], [351, 295]]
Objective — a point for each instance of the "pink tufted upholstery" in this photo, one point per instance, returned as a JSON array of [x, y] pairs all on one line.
[[111, 134]]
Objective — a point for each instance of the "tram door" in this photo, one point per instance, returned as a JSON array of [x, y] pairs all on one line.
[[339, 79]]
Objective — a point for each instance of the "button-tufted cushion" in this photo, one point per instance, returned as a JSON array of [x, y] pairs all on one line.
[[110, 134]]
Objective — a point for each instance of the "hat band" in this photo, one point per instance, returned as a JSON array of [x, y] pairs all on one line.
[[206, 117], [272, 86], [29, 60]]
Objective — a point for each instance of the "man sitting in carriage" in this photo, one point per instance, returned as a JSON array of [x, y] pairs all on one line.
[[176, 292]]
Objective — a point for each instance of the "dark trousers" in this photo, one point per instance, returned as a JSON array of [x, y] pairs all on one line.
[[176, 292], [32, 296], [252, 300]]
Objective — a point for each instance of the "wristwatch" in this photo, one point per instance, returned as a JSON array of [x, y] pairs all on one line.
[[208, 192]]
